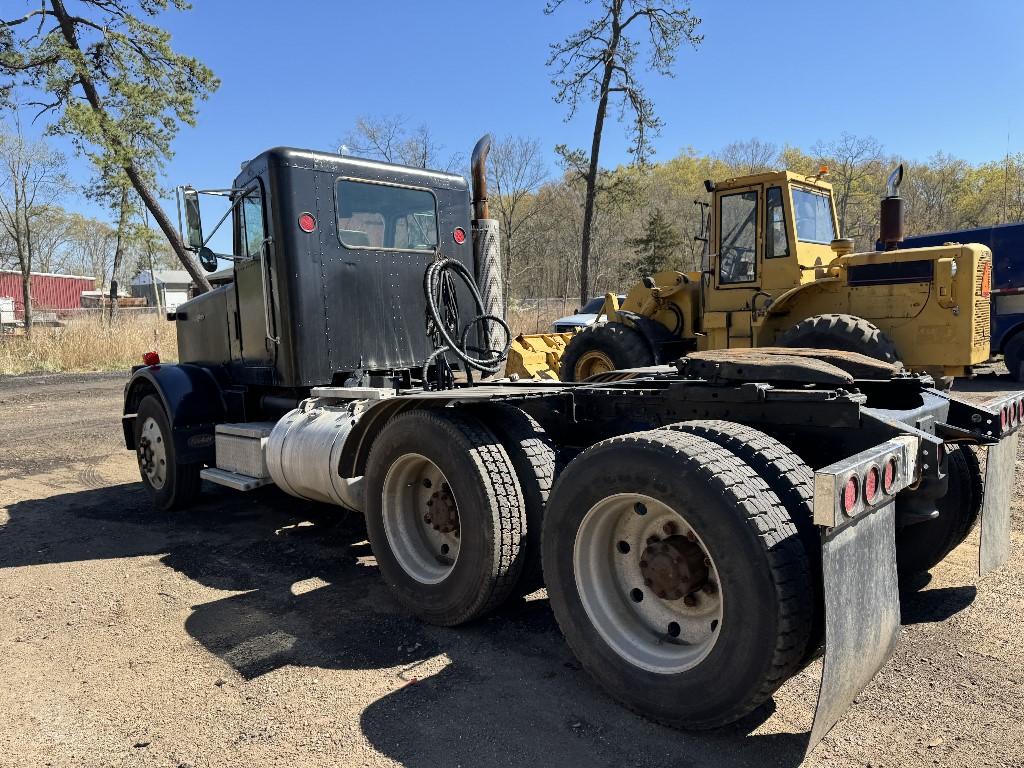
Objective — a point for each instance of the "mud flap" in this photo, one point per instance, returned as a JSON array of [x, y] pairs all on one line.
[[862, 611], [995, 510]]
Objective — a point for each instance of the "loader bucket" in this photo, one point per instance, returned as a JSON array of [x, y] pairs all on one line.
[[536, 355]]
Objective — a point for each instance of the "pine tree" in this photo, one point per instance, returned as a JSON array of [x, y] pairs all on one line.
[[657, 249]]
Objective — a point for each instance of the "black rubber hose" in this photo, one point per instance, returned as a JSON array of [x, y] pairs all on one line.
[[443, 317]]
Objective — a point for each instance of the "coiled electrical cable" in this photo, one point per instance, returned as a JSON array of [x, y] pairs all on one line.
[[443, 319]]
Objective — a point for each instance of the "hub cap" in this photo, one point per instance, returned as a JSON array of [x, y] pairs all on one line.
[[647, 583], [152, 453], [592, 363], [421, 518]]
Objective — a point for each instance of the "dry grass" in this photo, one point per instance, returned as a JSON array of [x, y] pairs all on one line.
[[89, 343], [537, 315]]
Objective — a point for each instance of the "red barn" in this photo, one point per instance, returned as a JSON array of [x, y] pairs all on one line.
[[49, 291]]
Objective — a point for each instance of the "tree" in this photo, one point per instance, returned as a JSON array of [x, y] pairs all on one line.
[[599, 62], [657, 249], [389, 138], [855, 168], [516, 172], [749, 157], [110, 81], [32, 178]]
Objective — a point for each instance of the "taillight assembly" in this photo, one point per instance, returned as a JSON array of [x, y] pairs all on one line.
[[869, 480], [151, 358]]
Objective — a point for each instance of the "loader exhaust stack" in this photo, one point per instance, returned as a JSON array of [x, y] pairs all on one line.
[[891, 222]]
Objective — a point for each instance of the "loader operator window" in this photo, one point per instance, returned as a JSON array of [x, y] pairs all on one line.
[[777, 244], [737, 245], [813, 216], [382, 216]]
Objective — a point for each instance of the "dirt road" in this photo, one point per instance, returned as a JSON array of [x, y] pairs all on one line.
[[254, 630]]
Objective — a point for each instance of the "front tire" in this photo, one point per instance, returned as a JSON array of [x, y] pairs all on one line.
[[604, 347], [677, 577], [844, 332], [444, 515], [171, 484]]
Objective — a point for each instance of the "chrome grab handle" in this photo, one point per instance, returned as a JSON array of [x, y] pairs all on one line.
[[267, 308]]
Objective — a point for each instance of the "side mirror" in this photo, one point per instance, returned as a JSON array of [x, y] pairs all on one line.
[[193, 221], [208, 259]]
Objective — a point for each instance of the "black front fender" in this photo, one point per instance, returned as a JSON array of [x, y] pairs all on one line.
[[192, 399]]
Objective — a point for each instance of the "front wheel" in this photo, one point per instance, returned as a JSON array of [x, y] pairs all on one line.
[[171, 484], [601, 348], [677, 577]]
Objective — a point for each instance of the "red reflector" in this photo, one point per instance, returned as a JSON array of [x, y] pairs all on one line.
[[459, 235], [889, 476], [850, 492], [307, 223], [871, 485], [151, 358]]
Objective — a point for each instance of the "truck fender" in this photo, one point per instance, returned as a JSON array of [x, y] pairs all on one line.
[[193, 402]]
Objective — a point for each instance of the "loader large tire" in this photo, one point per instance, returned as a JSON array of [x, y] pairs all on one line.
[[444, 515], [922, 546], [845, 332], [535, 460], [792, 480], [603, 347], [632, 524]]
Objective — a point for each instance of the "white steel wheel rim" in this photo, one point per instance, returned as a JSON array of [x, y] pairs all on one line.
[[664, 636], [412, 487], [152, 452]]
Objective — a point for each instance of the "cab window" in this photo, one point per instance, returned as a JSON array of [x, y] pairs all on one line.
[[737, 242], [813, 212], [385, 217], [251, 230], [777, 243]]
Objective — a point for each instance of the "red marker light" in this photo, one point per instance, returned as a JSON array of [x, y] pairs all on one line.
[[459, 235], [871, 485], [850, 493], [307, 222], [889, 476], [151, 358]]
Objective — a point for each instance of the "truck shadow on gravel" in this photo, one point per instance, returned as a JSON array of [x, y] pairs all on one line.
[[501, 692]]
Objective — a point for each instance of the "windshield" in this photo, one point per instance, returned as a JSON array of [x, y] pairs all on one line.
[[593, 306], [813, 216]]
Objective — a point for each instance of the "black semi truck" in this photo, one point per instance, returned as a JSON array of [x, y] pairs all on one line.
[[703, 529]]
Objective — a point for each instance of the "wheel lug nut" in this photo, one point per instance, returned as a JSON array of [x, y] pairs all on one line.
[[690, 601], [426, 518], [691, 536], [707, 562], [653, 539], [669, 528]]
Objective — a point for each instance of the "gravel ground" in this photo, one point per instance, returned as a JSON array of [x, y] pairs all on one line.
[[254, 630]]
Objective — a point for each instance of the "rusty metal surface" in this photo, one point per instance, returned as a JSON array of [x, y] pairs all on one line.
[[995, 511], [722, 365]]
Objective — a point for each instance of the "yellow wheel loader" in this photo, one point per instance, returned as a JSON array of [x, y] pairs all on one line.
[[776, 273]]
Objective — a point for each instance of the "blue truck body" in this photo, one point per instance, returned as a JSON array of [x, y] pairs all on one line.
[[1007, 244]]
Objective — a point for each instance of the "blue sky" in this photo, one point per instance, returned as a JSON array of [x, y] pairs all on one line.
[[919, 76]]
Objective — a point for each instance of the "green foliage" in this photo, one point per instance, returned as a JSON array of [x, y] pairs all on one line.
[[657, 249]]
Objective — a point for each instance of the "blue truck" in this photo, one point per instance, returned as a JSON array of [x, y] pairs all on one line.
[[1007, 244]]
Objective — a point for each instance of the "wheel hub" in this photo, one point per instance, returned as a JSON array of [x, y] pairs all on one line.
[[443, 515], [674, 567]]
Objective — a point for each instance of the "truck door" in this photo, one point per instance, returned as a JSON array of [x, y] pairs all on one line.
[[253, 287], [738, 269]]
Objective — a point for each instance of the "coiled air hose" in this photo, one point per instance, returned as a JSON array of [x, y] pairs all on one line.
[[443, 320]]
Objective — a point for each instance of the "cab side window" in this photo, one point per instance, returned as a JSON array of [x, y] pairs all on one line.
[[253, 232], [737, 240], [777, 243]]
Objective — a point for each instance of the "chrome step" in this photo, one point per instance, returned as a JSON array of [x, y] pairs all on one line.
[[233, 479]]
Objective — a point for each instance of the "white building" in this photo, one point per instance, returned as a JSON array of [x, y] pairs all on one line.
[[174, 287]]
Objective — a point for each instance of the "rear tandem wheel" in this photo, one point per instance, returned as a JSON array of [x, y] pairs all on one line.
[[677, 577]]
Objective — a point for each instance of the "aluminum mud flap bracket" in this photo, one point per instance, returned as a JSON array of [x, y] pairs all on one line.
[[1000, 464], [855, 511]]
